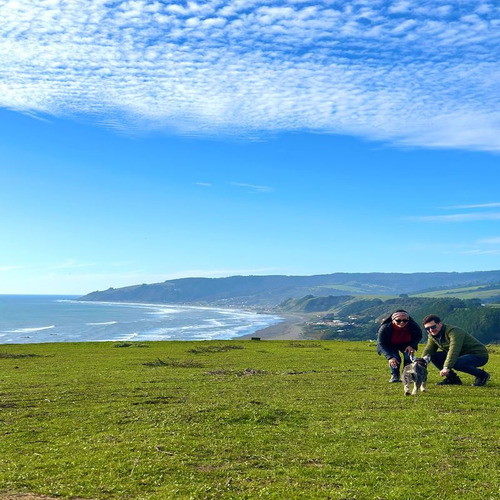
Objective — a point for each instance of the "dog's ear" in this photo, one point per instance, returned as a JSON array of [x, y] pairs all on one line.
[[427, 359]]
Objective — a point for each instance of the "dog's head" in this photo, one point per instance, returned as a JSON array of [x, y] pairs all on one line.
[[421, 361]]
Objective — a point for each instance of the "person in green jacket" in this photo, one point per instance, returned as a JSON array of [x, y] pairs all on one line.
[[451, 347]]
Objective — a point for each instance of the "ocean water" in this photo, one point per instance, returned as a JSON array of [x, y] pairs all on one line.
[[26, 319]]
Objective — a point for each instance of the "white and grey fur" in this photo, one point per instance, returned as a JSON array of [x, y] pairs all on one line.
[[415, 372]]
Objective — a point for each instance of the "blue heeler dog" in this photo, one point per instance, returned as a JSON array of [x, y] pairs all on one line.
[[416, 372]]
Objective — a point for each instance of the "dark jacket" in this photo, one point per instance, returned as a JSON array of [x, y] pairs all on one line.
[[455, 342], [384, 334]]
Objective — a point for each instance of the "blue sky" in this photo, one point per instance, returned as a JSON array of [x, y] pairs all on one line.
[[142, 141]]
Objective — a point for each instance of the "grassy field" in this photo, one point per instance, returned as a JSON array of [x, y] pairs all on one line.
[[470, 292], [239, 420]]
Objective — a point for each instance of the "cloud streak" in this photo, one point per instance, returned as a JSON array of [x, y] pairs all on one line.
[[414, 73], [466, 217], [481, 205], [253, 188]]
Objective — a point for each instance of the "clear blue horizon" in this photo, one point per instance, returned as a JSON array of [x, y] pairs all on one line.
[[158, 141]]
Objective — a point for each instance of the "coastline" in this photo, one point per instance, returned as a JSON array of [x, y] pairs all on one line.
[[291, 328]]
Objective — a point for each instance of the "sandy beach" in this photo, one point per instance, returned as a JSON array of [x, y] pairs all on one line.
[[289, 329]]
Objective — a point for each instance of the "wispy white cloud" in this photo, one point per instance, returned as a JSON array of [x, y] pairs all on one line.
[[480, 205], [72, 264], [483, 213], [480, 251], [465, 217], [204, 184], [490, 241], [9, 268], [253, 188], [417, 73]]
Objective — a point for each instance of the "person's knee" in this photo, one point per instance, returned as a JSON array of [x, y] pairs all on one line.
[[437, 359]]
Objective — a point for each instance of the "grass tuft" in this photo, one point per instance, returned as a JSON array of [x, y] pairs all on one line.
[[130, 344]]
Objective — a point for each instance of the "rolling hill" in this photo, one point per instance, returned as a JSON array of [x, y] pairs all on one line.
[[268, 291]]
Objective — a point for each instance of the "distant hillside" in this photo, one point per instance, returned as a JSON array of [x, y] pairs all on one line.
[[486, 293], [358, 318], [268, 291], [310, 303]]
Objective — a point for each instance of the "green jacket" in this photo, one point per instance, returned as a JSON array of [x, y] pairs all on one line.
[[456, 342]]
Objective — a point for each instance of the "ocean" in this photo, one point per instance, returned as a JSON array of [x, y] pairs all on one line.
[[27, 319]]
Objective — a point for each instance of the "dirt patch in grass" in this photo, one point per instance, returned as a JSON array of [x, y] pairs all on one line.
[[297, 372], [18, 356], [30, 496], [162, 400], [188, 363], [247, 372], [214, 348], [306, 345]]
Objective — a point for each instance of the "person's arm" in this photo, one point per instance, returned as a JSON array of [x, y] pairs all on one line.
[[430, 348], [382, 336], [457, 337]]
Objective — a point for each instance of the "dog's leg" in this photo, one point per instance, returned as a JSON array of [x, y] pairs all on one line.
[[415, 388], [406, 383], [423, 388]]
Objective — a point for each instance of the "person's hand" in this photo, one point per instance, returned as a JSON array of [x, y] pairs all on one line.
[[410, 350], [393, 363], [444, 372]]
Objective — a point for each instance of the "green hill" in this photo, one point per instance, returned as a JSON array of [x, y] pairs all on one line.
[[310, 303], [266, 291], [359, 317]]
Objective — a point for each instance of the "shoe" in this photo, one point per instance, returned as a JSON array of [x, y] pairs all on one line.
[[451, 379], [395, 378], [481, 380]]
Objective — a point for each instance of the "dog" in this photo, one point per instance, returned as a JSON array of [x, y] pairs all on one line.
[[416, 372]]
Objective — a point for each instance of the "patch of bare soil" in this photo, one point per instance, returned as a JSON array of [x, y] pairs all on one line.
[[30, 496]]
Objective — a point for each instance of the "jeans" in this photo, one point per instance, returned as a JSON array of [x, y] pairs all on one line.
[[395, 354], [467, 363]]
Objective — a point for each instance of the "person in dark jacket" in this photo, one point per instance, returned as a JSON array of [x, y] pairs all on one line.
[[398, 333]]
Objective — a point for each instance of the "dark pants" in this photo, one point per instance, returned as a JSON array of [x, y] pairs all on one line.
[[467, 363], [394, 352]]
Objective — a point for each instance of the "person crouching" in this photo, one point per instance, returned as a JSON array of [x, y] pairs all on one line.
[[451, 347], [398, 333]]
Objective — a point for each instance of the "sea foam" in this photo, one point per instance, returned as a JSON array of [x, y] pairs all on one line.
[[31, 330], [103, 323]]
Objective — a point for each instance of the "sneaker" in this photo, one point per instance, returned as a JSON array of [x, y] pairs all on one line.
[[394, 378], [451, 379], [481, 380]]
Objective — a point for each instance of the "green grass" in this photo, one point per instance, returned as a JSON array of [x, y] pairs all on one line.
[[470, 292], [239, 420]]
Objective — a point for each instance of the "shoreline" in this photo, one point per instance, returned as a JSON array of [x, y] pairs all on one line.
[[291, 328]]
